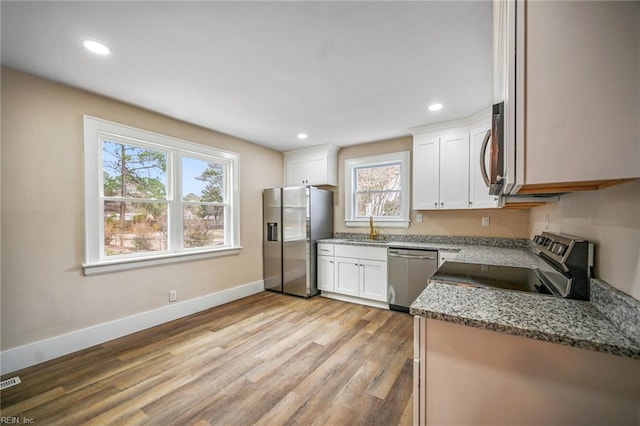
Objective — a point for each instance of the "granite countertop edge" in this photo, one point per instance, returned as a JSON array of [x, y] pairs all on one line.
[[597, 331], [552, 337]]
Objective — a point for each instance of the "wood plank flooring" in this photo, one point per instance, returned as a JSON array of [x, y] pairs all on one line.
[[268, 359]]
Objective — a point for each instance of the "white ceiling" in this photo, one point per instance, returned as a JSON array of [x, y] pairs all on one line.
[[343, 72]]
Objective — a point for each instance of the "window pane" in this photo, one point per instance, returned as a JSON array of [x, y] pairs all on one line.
[[379, 204], [378, 178], [134, 227], [202, 180], [132, 171], [203, 225]]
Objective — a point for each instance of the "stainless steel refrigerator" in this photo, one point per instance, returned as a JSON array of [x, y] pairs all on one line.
[[294, 219]]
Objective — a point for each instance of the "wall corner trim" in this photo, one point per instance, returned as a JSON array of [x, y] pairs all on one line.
[[54, 347]]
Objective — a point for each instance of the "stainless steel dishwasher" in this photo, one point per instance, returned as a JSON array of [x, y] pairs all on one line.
[[409, 272]]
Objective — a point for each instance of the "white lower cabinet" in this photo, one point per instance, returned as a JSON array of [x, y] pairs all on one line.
[[362, 278], [373, 280], [359, 273], [326, 268], [347, 276]]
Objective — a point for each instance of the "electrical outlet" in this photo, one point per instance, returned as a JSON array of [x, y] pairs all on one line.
[[485, 220], [419, 217], [173, 295]]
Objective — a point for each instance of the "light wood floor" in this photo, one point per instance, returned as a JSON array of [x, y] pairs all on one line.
[[268, 359]]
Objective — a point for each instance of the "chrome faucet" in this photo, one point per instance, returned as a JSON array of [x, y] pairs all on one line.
[[373, 234]]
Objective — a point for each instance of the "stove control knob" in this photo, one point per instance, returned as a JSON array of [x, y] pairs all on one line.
[[559, 249], [537, 239]]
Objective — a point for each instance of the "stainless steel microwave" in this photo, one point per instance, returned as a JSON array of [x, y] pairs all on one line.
[[495, 176]]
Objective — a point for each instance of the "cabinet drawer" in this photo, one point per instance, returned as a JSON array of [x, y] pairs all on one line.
[[361, 252], [325, 249]]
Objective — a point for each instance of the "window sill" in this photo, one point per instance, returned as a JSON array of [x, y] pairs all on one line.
[[108, 266], [364, 223]]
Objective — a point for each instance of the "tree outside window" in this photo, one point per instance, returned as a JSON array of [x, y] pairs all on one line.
[[203, 202], [135, 194], [151, 199], [378, 190], [378, 186]]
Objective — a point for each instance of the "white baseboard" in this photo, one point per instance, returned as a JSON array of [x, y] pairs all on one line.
[[54, 347], [354, 299]]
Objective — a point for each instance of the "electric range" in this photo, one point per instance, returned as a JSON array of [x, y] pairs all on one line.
[[564, 267]]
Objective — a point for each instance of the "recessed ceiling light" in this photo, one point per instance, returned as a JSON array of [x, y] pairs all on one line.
[[95, 47], [435, 107], [302, 136]]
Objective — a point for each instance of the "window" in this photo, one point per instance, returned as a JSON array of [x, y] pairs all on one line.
[[153, 199], [378, 186]]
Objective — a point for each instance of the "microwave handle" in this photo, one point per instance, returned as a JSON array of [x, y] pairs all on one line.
[[483, 151]]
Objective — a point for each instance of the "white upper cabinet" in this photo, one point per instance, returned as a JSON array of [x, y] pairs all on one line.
[[454, 171], [312, 166], [575, 81], [426, 172], [446, 165]]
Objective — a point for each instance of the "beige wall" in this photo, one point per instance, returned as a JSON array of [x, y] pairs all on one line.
[[44, 292], [481, 377], [582, 90], [504, 222], [611, 219]]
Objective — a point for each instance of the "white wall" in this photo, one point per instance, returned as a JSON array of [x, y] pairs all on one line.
[[611, 219]]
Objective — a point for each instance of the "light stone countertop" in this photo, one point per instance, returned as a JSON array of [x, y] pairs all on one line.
[[468, 253], [569, 322], [609, 323]]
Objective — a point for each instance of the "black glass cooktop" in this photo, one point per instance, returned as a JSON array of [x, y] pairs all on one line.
[[500, 277]]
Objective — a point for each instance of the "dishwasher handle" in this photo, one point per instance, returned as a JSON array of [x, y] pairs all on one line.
[[412, 256]]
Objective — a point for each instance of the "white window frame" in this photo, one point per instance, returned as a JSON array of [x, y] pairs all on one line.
[[350, 165], [95, 129]]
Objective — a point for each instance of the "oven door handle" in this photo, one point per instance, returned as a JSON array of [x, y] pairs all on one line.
[[483, 152]]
